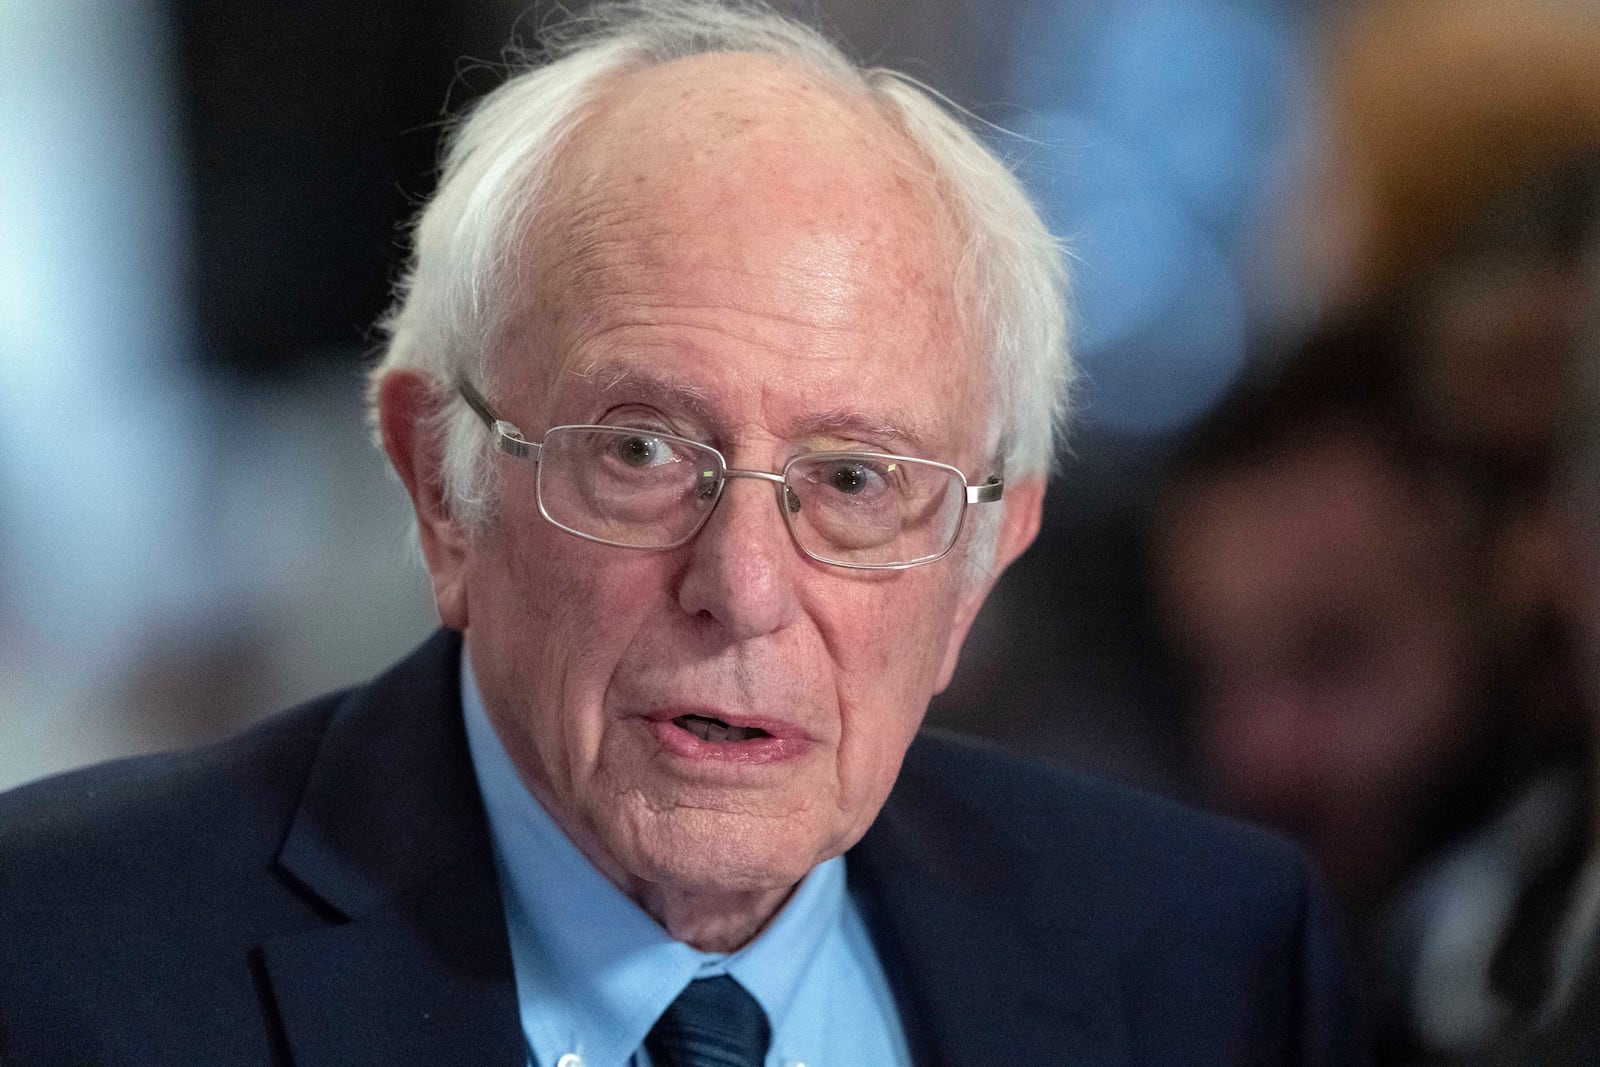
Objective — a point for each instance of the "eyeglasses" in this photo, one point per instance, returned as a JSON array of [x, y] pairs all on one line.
[[640, 488]]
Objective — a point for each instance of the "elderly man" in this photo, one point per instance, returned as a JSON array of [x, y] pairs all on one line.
[[722, 383]]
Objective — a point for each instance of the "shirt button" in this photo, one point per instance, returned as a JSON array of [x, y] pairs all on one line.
[[571, 1059]]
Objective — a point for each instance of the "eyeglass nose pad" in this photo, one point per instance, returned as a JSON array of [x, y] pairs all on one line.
[[791, 500]]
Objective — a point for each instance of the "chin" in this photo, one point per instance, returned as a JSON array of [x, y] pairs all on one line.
[[705, 851]]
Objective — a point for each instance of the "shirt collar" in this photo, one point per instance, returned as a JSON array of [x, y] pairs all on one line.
[[593, 970]]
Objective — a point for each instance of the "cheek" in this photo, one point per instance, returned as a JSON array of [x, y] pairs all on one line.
[[557, 622], [888, 647]]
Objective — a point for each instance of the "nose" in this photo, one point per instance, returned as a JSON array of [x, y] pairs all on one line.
[[741, 567]]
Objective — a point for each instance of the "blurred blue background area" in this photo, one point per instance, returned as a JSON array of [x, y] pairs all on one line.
[[1160, 126]]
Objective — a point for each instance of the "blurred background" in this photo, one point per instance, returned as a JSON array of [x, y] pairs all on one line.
[[1321, 553]]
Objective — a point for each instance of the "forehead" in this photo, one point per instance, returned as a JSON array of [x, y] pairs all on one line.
[[733, 222]]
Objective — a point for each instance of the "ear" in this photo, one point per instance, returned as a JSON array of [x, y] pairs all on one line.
[[1024, 508], [407, 405]]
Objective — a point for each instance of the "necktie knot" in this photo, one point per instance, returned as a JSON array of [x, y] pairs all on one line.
[[715, 1022]]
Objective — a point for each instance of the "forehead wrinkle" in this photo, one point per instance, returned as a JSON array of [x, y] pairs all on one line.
[[617, 257], [625, 248], [686, 313], [608, 377]]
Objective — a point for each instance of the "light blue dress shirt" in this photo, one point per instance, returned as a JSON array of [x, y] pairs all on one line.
[[594, 972]]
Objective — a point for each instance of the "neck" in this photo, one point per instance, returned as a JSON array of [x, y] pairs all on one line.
[[711, 921]]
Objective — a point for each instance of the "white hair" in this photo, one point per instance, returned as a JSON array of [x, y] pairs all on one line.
[[497, 173]]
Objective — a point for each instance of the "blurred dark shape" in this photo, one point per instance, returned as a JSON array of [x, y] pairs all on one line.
[[1379, 672], [1565, 1031], [313, 130], [1061, 664], [1499, 322]]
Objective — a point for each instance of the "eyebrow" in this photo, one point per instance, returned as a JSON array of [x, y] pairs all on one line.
[[609, 378], [697, 401], [845, 422]]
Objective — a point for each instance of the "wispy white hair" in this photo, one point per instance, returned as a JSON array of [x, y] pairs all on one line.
[[497, 174]]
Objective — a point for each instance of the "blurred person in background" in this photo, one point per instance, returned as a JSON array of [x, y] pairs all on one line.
[[1314, 571], [624, 808], [1322, 575], [1368, 577]]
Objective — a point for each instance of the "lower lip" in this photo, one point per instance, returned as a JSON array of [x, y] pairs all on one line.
[[759, 750]]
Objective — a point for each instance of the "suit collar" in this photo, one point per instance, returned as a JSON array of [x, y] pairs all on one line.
[[988, 963], [390, 839]]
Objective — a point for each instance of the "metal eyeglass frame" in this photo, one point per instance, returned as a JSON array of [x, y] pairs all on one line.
[[509, 439]]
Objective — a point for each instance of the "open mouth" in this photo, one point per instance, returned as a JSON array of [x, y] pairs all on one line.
[[708, 729]]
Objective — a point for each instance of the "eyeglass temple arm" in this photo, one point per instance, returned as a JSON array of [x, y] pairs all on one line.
[[987, 493], [508, 438]]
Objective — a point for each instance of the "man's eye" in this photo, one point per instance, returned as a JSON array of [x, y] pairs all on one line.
[[854, 478], [641, 450]]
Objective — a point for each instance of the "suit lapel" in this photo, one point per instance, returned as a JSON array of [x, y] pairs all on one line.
[[418, 981], [987, 964], [391, 840]]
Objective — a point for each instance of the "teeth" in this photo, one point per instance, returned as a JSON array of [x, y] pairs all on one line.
[[717, 731]]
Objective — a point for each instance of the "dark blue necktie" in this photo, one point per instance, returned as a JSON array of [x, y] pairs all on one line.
[[714, 1022]]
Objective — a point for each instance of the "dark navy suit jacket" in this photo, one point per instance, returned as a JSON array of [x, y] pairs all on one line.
[[321, 891]]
